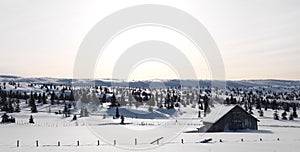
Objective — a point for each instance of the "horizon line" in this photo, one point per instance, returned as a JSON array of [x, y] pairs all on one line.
[[163, 79]]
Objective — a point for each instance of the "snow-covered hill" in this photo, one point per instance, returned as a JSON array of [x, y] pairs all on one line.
[[147, 83], [144, 123]]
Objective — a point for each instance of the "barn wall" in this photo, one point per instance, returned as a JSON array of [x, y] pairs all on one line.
[[236, 119]]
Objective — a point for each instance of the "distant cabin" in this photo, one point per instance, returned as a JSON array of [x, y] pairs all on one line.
[[229, 118]]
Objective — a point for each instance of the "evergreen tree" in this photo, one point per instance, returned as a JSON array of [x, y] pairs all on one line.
[[31, 119], [10, 107], [100, 89], [86, 111], [39, 98], [188, 98], [32, 100], [117, 112], [33, 108], [103, 99], [283, 115], [18, 109], [246, 105], [206, 106], [295, 115], [113, 100], [250, 108], [261, 113], [258, 104], [168, 101], [26, 97], [61, 96], [232, 100], [266, 105], [44, 98], [291, 117], [72, 98], [66, 111], [276, 117], [274, 105], [4, 104], [227, 101], [286, 107], [32, 103], [122, 120], [74, 117], [53, 96], [106, 90]]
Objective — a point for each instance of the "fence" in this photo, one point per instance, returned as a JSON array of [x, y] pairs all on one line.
[[157, 141]]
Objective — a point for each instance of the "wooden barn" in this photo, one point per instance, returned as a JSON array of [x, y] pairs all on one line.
[[229, 118]]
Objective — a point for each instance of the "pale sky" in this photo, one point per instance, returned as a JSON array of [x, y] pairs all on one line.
[[258, 39]]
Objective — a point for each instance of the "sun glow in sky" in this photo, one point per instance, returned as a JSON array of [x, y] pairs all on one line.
[[257, 39]]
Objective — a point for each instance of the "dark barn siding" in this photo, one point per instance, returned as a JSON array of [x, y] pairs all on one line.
[[236, 119]]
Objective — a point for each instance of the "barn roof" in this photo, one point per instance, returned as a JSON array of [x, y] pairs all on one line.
[[217, 113]]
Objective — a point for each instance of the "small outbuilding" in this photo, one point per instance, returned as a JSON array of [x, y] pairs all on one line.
[[229, 118]]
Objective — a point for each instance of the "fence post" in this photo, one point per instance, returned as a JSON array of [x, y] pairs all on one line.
[[135, 141], [58, 143], [182, 141], [37, 143], [78, 143], [98, 143], [18, 143], [115, 142]]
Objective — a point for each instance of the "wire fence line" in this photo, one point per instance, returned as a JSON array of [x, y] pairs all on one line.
[[77, 143], [98, 143]]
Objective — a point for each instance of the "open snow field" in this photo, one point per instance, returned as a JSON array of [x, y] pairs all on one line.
[[49, 129], [138, 133]]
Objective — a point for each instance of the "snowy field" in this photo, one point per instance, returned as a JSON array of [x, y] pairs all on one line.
[[49, 129], [176, 129]]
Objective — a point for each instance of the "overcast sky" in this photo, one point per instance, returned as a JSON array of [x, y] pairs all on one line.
[[258, 39]]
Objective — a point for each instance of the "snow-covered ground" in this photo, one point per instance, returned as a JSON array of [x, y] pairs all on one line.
[[141, 126], [49, 129]]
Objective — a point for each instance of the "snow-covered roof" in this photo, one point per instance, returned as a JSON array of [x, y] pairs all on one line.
[[217, 113]]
